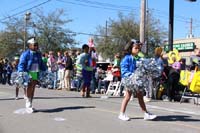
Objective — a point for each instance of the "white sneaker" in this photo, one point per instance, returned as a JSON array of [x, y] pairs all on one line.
[[131, 99], [146, 99], [16, 98], [149, 116], [123, 117], [25, 97], [30, 110]]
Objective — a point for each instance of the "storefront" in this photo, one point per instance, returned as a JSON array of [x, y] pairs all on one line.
[[185, 47]]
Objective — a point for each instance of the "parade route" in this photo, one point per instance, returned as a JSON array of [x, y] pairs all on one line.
[[66, 111]]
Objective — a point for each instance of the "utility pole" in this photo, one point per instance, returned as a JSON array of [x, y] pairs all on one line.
[[171, 24], [106, 32], [26, 18], [106, 28], [142, 24], [191, 26], [147, 31]]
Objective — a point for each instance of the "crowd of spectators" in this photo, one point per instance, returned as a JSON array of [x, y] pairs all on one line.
[[68, 66]]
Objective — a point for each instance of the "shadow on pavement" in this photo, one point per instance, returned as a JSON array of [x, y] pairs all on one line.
[[135, 118], [184, 118], [2, 99], [60, 109], [63, 97]]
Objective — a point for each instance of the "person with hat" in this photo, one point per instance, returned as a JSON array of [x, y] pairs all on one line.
[[31, 62]]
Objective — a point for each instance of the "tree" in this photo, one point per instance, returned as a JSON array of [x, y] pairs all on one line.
[[113, 39], [11, 39], [49, 30], [155, 33]]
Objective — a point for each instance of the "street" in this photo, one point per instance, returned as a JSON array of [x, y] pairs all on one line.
[[60, 111]]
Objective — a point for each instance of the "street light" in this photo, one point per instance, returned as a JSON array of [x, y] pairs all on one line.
[[26, 18]]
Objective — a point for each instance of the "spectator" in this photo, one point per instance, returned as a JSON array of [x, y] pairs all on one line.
[[104, 80], [93, 60], [61, 70], [78, 69], [151, 92], [68, 70], [45, 58], [195, 59], [53, 68], [86, 70], [116, 68], [9, 70], [173, 77], [4, 74]]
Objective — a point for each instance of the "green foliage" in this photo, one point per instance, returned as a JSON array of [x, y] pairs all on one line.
[[48, 29], [11, 39], [120, 31], [50, 32]]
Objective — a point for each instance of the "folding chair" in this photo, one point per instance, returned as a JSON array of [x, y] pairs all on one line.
[[113, 88], [191, 81], [117, 93]]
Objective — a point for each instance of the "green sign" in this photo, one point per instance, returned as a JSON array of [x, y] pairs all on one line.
[[181, 46]]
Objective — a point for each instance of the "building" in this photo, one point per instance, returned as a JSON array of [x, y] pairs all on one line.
[[185, 47]]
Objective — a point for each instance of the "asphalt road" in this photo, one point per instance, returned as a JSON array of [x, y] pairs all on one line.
[[67, 112]]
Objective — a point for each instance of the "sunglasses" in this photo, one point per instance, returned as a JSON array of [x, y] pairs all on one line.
[[135, 41]]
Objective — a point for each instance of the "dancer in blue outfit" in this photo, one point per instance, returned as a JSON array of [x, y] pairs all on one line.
[[128, 66], [31, 62]]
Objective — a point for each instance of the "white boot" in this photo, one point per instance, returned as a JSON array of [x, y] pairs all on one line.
[[28, 103], [29, 107]]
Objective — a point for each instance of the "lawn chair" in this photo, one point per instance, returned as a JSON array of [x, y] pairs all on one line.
[[113, 88], [191, 81]]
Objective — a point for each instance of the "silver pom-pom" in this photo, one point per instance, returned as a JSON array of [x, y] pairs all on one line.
[[21, 79], [146, 67]]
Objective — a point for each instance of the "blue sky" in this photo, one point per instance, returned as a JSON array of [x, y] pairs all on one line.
[[88, 14]]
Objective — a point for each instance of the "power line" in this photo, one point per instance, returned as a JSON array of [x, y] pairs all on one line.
[[109, 6], [96, 6], [104, 4], [13, 15], [26, 4]]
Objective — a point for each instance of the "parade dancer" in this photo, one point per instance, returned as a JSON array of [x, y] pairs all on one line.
[[31, 62], [128, 66]]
